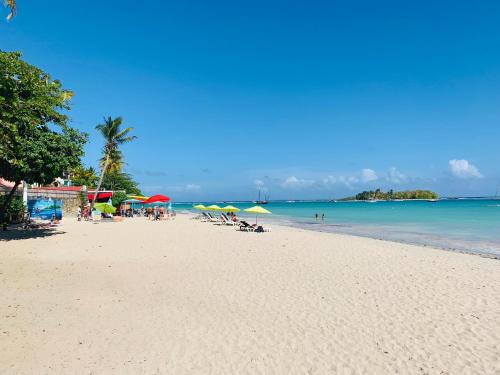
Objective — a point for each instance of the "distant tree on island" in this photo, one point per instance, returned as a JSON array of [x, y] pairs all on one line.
[[391, 195]]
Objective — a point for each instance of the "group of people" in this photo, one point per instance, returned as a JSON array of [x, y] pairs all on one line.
[[155, 213], [152, 213], [232, 216], [322, 217], [83, 214]]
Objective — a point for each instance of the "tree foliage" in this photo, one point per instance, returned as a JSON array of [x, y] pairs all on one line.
[[114, 136], [112, 157], [14, 209], [118, 197], [81, 176], [11, 4], [120, 181], [407, 194], [36, 143]]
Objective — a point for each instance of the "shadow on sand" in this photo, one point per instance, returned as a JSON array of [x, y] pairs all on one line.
[[24, 234]]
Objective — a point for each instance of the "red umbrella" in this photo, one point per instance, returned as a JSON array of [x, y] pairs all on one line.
[[156, 198]]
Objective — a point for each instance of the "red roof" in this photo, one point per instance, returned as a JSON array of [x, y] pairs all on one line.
[[59, 188]]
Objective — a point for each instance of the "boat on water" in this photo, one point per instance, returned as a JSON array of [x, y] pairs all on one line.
[[432, 200], [264, 201]]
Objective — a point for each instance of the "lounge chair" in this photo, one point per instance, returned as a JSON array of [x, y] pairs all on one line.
[[205, 217], [245, 227], [228, 221], [213, 219]]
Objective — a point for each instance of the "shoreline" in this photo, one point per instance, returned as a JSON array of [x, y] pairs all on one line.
[[322, 227], [434, 245]]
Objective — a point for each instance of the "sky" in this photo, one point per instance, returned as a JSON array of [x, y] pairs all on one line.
[[300, 99]]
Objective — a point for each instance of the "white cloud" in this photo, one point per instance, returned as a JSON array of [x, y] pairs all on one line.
[[461, 168], [395, 176], [368, 175], [348, 180], [258, 183], [293, 182], [329, 180], [193, 187], [365, 175], [152, 188]]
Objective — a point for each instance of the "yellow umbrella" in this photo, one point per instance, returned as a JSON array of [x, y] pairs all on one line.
[[199, 207], [230, 209], [138, 197], [257, 210], [213, 207]]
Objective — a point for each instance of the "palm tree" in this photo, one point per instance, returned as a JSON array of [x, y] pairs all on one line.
[[111, 155], [115, 161], [11, 4]]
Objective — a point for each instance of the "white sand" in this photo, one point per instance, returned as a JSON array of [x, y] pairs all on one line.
[[185, 297]]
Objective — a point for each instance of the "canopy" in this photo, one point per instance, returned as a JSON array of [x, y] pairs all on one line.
[[199, 207], [132, 201], [100, 195], [138, 197], [230, 209], [257, 210], [213, 207], [105, 208], [156, 198]]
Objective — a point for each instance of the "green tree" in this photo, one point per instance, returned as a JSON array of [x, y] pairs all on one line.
[[36, 143], [118, 197], [113, 136], [83, 176], [120, 181]]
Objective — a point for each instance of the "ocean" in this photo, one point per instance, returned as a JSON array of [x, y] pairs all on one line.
[[469, 225]]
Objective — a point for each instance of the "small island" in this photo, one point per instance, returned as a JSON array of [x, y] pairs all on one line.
[[392, 195]]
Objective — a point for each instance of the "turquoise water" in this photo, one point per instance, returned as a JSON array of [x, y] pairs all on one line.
[[471, 225]]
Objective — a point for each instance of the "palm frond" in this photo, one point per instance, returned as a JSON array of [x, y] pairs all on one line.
[[11, 4]]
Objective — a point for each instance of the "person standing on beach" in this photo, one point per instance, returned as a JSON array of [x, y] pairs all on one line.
[[322, 217], [317, 217]]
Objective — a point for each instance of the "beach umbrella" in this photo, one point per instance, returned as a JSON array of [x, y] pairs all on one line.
[[257, 210], [132, 201], [156, 198], [213, 207], [138, 197], [199, 207], [105, 208], [230, 209]]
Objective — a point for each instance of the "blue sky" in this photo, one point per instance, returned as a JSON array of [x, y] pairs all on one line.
[[302, 99]]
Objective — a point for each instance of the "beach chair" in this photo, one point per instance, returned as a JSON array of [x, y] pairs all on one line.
[[245, 227], [226, 221], [212, 218]]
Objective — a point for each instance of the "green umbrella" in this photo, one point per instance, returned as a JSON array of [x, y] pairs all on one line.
[[200, 207], [105, 208]]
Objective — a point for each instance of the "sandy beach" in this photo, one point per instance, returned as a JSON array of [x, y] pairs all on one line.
[[185, 297]]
